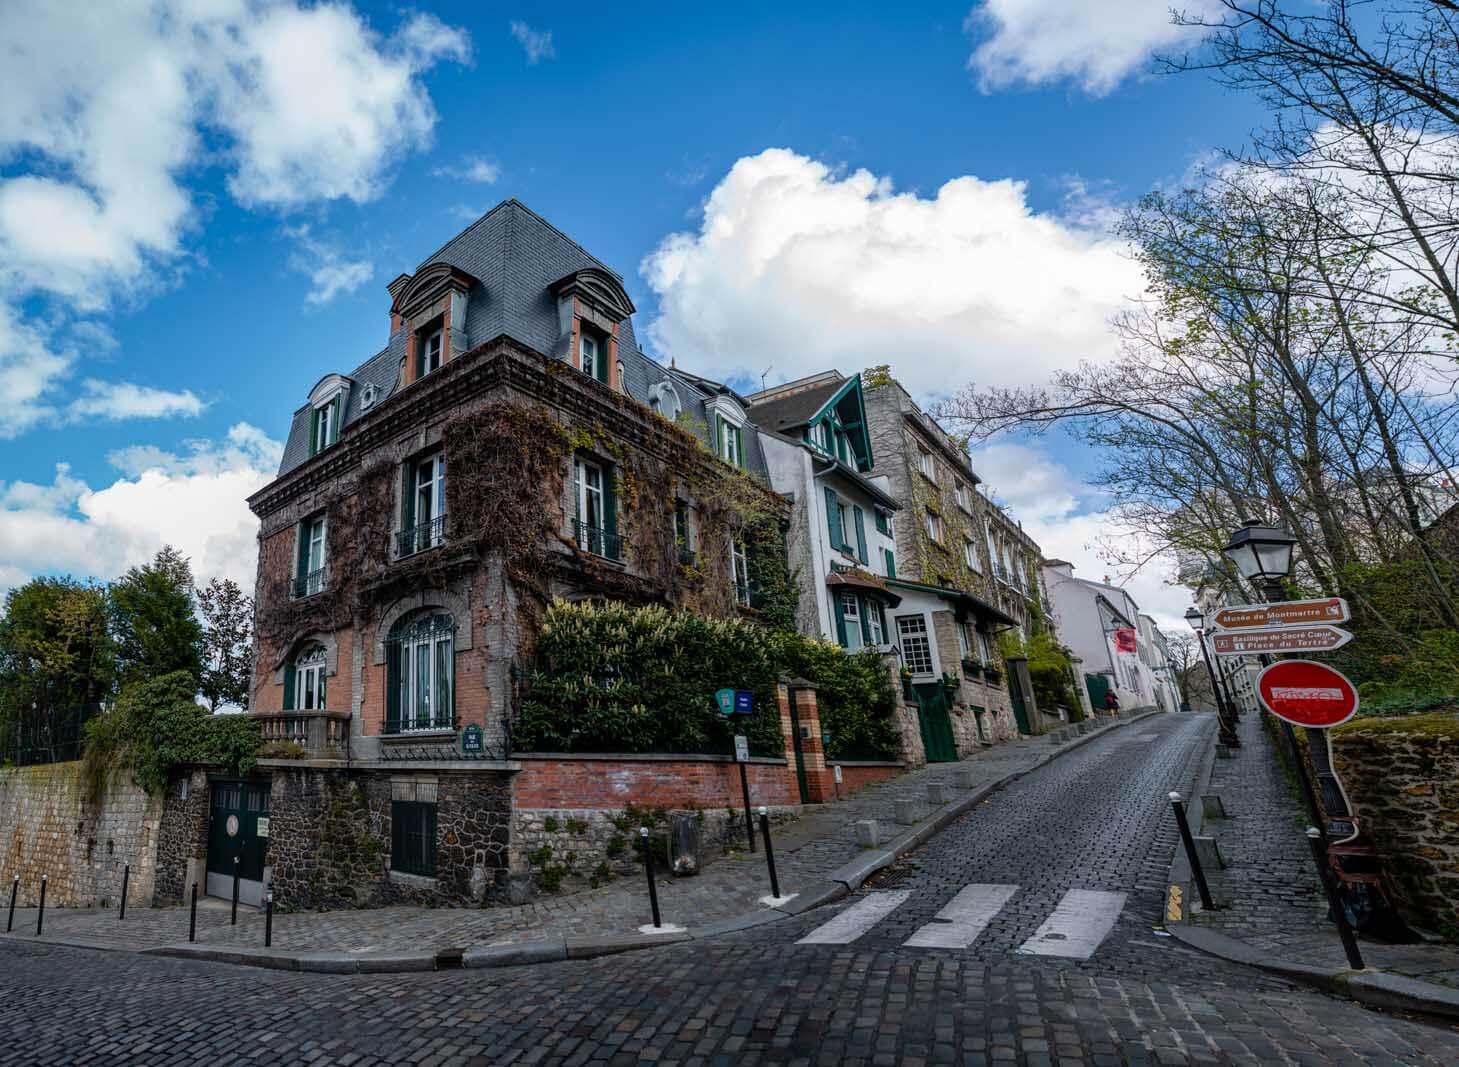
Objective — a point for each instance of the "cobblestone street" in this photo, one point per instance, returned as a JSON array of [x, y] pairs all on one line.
[[1091, 822]]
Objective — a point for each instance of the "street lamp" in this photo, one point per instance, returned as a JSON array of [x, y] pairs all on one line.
[[1223, 715], [1262, 555]]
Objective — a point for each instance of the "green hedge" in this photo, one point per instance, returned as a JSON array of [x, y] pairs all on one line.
[[614, 678]]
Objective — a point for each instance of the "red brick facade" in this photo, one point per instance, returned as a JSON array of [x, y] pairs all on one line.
[[612, 782]]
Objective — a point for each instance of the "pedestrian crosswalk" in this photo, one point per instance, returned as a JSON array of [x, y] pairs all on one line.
[[1076, 927]]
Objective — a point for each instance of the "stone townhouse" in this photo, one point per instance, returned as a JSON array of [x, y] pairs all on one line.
[[1100, 623], [509, 444], [946, 629]]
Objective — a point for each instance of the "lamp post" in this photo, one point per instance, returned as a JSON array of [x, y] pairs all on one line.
[[1263, 556], [1223, 716]]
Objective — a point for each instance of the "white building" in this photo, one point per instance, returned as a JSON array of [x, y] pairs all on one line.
[[1102, 624]]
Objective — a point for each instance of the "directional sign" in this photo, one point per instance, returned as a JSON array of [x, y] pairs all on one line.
[[1333, 609], [1322, 638], [1306, 693]]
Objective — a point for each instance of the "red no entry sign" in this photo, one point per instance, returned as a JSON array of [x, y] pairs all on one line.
[[1306, 693]]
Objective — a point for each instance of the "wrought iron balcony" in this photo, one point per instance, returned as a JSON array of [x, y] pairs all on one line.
[[418, 538], [406, 724], [688, 557], [598, 541], [309, 584]]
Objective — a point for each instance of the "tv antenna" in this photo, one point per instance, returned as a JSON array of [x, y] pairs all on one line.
[[763, 375]]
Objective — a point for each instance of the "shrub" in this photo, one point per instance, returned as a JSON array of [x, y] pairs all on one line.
[[158, 726], [615, 678]]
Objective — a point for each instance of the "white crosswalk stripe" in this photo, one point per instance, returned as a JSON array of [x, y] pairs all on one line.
[[1083, 918], [857, 919], [963, 917]]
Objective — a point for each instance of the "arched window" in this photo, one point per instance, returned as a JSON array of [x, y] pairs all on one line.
[[420, 673], [304, 679]]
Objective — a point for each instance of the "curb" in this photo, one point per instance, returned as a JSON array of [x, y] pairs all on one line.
[[555, 948], [1373, 988]]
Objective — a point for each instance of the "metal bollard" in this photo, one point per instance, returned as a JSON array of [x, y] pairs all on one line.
[[234, 921], [14, 889], [648, 866], [192, 919], [1324, 871], [268, 919], [40, 916], [1190, 852], [126, 877], [769, 852]]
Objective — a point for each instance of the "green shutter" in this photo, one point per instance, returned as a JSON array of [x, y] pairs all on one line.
[[860, 533], [867, 607], [334, 423], [289, 684], [610, 514], [716, 445], [840, 618], [392, 688], [739, 433], [833, 518], [301, 560], [881, 525], [891, 563], [407, 501], [313, 430]]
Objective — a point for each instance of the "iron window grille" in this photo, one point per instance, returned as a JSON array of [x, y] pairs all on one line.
[[420, 675], [309, 584], [598, 541], [413, 837], [422, 536]]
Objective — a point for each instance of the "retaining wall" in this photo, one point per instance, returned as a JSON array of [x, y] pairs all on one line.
[[46, 829]]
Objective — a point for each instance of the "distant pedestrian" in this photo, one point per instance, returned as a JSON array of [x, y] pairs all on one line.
[[1111, 702]]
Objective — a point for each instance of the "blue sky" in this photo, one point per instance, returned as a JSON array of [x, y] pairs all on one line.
[[197, 225]]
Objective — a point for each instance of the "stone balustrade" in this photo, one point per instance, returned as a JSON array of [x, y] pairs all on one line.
[[321, 734]]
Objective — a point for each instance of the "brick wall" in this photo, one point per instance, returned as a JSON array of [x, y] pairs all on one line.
[[45, 829], [1402, 776], [856, 776], [608, 782]]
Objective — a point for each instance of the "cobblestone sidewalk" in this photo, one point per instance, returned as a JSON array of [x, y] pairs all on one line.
[[1273, 900], [806, 850]]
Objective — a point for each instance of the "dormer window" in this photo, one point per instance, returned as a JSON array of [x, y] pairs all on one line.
[[326, 411], [326, 427], [731, 443], [428, 352], [664, 399], [368, 396]]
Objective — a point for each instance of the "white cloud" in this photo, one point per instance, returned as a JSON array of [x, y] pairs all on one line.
[[470, 169], [104, 117], [124, 400], [1095, 45], [802, 267], [536, 43], [195, 501], [1071, 522], [330, 271]]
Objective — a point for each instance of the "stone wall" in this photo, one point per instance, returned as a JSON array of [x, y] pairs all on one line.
[[1402, 776], [330, 834], [182, 837], [46, 829]]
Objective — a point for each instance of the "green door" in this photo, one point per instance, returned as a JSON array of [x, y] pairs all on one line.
[[233, 834], [1098, 686], [932, 714], [1020, 709]]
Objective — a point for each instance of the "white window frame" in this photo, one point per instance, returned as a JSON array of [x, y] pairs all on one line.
[[590, 350], [731, 437], [323, 425], [851, 621], [590, 497], [309, 680], [932, 523], [970, 553], [911, 628], [960, 494], [432, 360], [964, 647], [430, 493], [926, 464], [740, 572], [873, 623], [416, 714], [313, 545]]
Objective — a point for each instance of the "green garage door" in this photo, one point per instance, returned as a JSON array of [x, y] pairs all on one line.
[[233, 834]]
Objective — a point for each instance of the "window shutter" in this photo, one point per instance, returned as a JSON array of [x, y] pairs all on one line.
[[392, 688], [881, 524], [407, 498], [334, 422], [717, 445], [739, 433], [867, 607], [289, 685], [610, 507], [860, 533], [313, 430], [301, 562], [891, 563], [833, 517], [840, 619]]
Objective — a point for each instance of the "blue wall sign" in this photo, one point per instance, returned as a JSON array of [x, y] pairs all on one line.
[[744, 702]]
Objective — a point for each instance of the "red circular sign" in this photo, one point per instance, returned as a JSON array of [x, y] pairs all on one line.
[[1306, 693]]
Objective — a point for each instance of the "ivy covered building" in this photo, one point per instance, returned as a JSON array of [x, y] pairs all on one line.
[[509, 444]]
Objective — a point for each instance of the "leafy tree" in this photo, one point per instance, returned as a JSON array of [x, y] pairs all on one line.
[[227, 643], [153, 621]]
